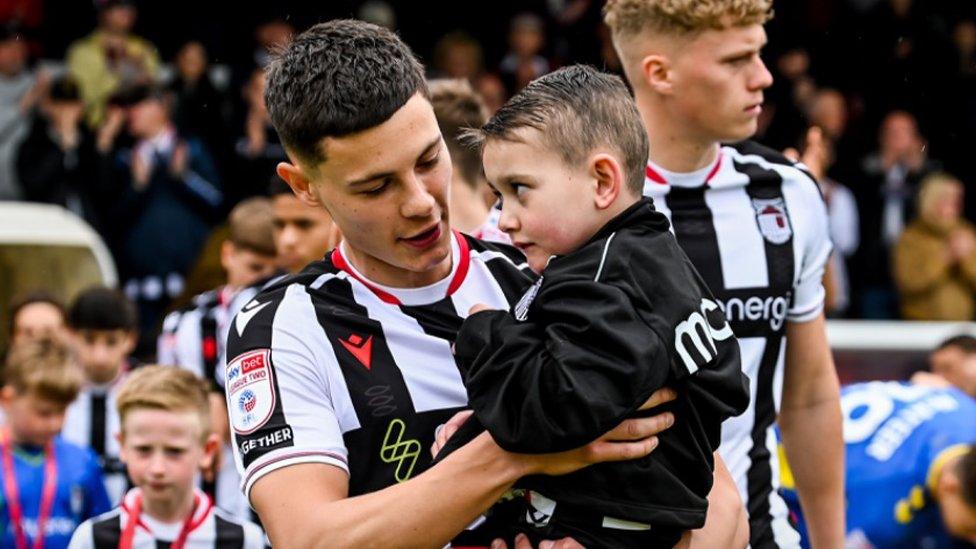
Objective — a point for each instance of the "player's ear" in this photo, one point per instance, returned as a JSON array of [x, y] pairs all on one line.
[[655, 69], [299, 183], [608, 179]]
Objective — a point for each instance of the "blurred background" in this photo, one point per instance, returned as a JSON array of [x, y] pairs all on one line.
[[99, 100]]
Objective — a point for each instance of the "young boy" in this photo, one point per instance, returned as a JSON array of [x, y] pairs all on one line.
[[617, 313], [165, 441], [50, 486], [102, 327]]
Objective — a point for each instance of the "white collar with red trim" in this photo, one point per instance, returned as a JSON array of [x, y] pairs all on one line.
[[697, 178], [425, 295], [167, 531]]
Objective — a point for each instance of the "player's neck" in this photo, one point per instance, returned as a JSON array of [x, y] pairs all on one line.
[[940, 473], [174, 509], [673, 145], [107, 377]]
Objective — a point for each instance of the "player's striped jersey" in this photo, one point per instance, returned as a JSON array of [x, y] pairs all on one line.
[[755, 226], [329, 367], [897, 436], [92, 421], [209, 528]]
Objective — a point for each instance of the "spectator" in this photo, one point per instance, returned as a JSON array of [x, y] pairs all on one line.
[[492, 91], [19, 93], [199, 109], [458, 55], [270, 35], [57, 163], [890, 179], [456, 107], [935, 259], [524, 61], [167, 193], [102, 324], [111, 58], [35, 315], [258, 150]]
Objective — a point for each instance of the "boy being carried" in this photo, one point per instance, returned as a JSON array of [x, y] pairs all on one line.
[[618, 312]]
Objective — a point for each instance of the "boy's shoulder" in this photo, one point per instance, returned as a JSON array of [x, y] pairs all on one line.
[[69, 452]]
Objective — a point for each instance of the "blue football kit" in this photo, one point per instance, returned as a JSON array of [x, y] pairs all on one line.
[[897, 437], [77, 493]]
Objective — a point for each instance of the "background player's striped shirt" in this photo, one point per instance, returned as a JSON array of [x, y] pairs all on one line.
[[330, 368], [755, 226]]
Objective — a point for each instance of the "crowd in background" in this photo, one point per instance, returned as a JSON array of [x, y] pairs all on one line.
[[150, 123]]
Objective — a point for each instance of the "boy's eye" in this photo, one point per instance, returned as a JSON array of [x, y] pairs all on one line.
[[519, 188], [174, 452]]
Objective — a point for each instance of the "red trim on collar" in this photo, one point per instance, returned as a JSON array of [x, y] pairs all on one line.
[[718, 164], [340, 262], [654, 176], [464, 264]]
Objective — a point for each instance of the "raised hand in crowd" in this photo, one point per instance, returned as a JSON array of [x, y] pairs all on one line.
[[110, 128]]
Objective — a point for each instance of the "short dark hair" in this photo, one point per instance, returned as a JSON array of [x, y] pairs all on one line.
[[458, 106], [338, 78], [965, 343], [967, 476], [101, 308], [575, 109], [18, 302]]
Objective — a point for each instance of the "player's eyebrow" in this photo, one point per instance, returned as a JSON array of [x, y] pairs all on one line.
[[381, 175]]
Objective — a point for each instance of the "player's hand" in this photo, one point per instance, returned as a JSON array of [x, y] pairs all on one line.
[[477, 308], [634, 438], [447, 430], [522, 542], [928, 379]]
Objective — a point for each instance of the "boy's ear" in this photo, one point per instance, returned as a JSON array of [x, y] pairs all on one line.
[[609, 179], [299, 183], [227, 250], [123, 454], [131, 339], [655, 69], [210, 451]]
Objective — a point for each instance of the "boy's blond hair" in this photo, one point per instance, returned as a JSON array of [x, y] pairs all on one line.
[[251, 226], [45, 369], [165, 388], [627, 18]]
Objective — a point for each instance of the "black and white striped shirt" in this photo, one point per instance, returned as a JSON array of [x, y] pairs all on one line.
[[210, 528], [329, 367], [92, 421], [755, 226]]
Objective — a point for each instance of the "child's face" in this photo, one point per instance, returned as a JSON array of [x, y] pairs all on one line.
[[548, 207], [102, 352], [244, 267], [32, 419], [162, 451]]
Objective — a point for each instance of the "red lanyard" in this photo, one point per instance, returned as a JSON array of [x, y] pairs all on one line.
[[128, 536], [12, 492]]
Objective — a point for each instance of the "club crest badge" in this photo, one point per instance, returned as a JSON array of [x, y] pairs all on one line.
[[773, 220]]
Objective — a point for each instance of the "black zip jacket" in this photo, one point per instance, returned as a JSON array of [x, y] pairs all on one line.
[[602, 329]]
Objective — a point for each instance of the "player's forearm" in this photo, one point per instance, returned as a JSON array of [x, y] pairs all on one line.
[[814, 446], [427, 511]]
